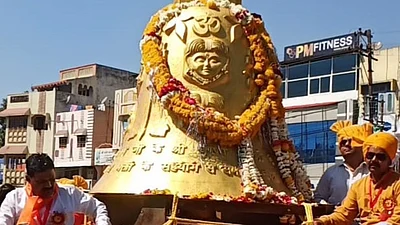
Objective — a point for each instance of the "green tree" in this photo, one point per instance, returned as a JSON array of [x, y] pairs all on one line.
[[3, 106]]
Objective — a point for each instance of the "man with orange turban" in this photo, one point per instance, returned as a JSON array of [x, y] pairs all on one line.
[[375, 198], [336, 181]]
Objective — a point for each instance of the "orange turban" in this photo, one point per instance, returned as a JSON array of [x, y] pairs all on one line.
[[77, 181], [357, 133], [385, 141]]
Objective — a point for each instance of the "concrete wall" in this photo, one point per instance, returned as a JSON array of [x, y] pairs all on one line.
[[18, 104], [312, 114], [109, 80], [63, 106], [103, 127], [386, 68], [321, 98]]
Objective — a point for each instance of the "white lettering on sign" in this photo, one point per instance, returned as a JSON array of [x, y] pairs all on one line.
[[311, 49]]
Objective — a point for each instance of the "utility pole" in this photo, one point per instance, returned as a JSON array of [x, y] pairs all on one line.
[[370, 72], [368, 52]]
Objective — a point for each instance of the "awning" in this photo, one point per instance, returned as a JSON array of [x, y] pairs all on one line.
[[15, 112], [80, 131], [14, 150], [61, 133], [49, 86]]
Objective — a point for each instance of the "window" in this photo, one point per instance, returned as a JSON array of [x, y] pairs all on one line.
[[20, 98], [283, 89], [376, 88], [386, 103], [16, 163], [69, 88], [344, 63], [298, 71], [80, 91], [125, 124], [283, 71], [344, 82], [17, 129], [81, 143], [315, 142], [336, 74], [314, 86], [17, 122], [390, 103], [297, 88], [320, 68], [90, 91], [85, 91], [325, 84], [39, 122], [62, 142]]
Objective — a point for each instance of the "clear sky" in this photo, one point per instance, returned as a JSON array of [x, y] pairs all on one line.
[[40, 38]]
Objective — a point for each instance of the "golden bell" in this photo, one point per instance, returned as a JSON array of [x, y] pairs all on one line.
[[207, 50]]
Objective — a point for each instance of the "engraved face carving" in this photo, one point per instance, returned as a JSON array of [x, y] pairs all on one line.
[[206, 60]]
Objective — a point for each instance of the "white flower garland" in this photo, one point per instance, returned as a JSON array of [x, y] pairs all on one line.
[[250, 172], [293, 161]]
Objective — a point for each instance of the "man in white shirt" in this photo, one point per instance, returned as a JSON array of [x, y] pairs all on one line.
[[337, 180], [43, 202]]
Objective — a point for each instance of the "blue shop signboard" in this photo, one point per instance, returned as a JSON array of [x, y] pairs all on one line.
[[320, 48]]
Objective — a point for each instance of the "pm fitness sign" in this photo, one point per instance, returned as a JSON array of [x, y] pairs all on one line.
[[320, 48]]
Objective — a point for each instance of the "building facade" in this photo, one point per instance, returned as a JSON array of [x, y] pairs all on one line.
[[383, 101], [385, 91], [31, 116], [77, 135], [320, 86], [28, 129], [124, 112]]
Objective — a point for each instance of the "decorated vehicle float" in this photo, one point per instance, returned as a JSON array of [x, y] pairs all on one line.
[[208, 143]]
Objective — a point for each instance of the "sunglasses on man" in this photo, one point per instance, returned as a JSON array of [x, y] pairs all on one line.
[[379, 156], [345, 142]]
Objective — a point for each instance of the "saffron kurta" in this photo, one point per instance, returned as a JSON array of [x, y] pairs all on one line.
[[359, 200]]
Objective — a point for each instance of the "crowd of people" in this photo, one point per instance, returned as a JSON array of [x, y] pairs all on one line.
[[365, 188]]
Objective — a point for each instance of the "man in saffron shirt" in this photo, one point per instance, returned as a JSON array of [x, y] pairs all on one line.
[[43, 202], [376, 198]]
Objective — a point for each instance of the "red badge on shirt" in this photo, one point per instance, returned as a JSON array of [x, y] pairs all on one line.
[[57, 218], [388, 206]]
